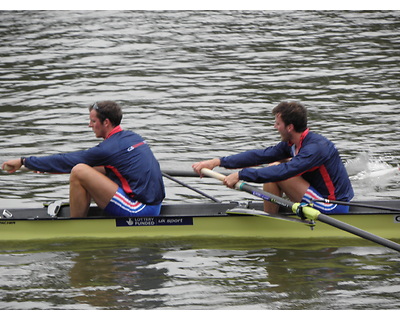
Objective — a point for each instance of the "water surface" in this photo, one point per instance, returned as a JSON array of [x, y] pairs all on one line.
[[198, 84]]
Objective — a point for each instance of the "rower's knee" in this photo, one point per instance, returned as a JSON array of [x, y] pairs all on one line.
[[78, 171]]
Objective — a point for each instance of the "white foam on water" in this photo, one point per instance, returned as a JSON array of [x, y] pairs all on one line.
[[370, 175]]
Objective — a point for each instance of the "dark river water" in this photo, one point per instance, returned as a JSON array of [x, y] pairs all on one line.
[[196, 85]]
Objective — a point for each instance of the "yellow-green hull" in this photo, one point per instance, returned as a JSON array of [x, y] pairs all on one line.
[[386, 225]]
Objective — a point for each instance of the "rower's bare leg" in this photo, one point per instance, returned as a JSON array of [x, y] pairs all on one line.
[[294, 188], [88, 183], [272, 187]]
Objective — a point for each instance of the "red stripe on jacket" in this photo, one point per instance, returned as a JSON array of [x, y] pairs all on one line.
[[328, 182], [124, 183]]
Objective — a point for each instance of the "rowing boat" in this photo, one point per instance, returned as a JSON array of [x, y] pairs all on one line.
[[230, 219], [244, 219]]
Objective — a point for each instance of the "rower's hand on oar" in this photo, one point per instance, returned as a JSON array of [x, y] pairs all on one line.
[[209, 164], [231, 180], [11, 165]]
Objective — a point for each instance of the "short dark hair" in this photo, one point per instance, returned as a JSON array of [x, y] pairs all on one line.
[[108, 110], [292, 113]]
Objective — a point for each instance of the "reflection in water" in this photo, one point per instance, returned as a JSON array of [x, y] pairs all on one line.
[[198, 274], [114, 280]]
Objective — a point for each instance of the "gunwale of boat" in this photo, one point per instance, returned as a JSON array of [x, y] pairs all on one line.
[[195, 210]]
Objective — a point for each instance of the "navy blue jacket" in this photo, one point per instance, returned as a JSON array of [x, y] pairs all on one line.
[[317, 161], [127, 159]]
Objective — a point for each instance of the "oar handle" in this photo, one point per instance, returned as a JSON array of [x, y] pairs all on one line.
[[7, 167], [218, 176], [213, 174], [10, 168]]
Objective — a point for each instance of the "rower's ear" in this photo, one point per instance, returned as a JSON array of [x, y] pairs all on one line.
[[107, 122], [290, 127]]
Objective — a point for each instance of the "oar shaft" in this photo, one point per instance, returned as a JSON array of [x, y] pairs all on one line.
[[361, 205], [182, 173], [264, 195], [250, 189], [359, 232], [191, 188]]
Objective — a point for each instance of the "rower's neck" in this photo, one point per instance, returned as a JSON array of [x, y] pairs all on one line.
[[297, 139], [113, 131]]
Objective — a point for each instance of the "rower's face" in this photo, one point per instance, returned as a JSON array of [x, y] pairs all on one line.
[[96, 125], [282, 128]]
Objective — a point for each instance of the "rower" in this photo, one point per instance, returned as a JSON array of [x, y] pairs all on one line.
[[304, 165], [120, 174]]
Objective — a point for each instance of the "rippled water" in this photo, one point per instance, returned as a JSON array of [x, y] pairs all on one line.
[[198, 274], [197, 85]]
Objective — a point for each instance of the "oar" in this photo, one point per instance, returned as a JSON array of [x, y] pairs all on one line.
[[308, 212], [180, 173], [278, 216], [189, 187], [362, 205], [183, 173], [190, 173], [9, 168]]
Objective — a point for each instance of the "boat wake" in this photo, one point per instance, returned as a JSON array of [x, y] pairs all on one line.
[[368, 174]]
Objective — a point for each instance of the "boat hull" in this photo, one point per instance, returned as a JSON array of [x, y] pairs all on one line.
[[189, 221]]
